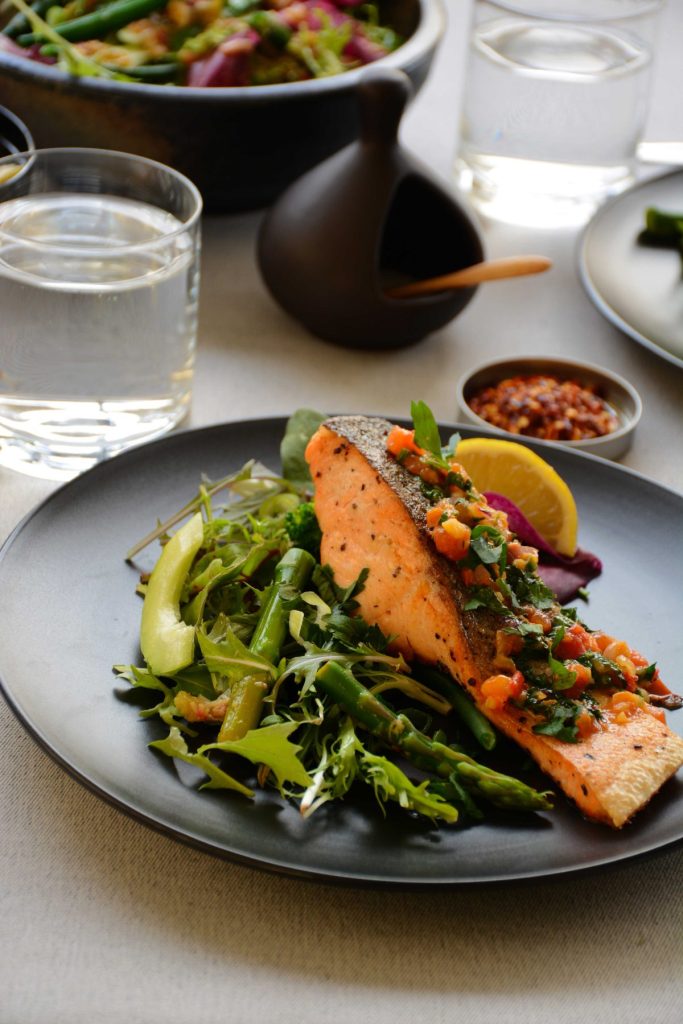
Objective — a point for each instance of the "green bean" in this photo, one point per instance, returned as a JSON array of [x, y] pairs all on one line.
[[668, 227], [99, 22], [471, 716], [19, 23], [166, 72]]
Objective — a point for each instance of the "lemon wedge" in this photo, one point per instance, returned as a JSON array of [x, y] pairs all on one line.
[[527, 479]]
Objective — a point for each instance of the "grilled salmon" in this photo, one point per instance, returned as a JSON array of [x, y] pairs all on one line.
[[374, 514]]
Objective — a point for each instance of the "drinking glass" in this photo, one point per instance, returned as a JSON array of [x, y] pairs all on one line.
[[99, 278], [556, 98]]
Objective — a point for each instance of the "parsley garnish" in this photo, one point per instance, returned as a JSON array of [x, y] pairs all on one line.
[[427, 432], [562, 677], [427, 437], [559, 715], [529, 589], [604, 671], [489, 545], [484, 597]]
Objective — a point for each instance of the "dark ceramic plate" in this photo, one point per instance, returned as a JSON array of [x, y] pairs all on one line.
[[638, 288], [69, 614]]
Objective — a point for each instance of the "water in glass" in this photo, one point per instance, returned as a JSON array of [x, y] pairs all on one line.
[[553, 111], [98, 305]]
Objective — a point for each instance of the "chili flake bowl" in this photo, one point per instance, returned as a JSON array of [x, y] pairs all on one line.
[[620, 396]]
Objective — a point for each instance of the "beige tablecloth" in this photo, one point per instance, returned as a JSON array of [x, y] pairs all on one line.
[[103, 920]]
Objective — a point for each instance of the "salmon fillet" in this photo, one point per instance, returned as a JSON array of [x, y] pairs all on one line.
[[372, 515]]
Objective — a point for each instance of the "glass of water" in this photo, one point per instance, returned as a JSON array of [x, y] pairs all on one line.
[[99, 278], [556, 98]]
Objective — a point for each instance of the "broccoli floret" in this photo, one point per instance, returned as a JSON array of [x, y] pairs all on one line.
[[303, 529]]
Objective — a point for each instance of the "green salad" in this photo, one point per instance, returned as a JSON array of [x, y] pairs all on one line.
[[264, 675], [201, 43]]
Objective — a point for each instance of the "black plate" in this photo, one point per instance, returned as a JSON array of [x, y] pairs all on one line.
[[637, 287], [70, 613]]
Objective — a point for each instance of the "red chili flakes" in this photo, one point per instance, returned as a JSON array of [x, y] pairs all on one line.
[[546, 407]]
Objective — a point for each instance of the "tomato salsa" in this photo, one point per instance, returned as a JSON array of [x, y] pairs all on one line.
[[574, 681]]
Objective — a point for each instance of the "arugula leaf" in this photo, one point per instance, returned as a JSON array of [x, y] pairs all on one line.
[[390, 783], [195, 680], [300, 428], [269, 745], [336, 771], [175, 746], [165, 709], [225, 653], [426, 430]]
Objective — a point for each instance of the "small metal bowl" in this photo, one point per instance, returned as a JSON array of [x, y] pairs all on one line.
[[621, 396]]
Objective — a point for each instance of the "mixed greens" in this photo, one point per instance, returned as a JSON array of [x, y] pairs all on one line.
[[254, 652], [205, 43]]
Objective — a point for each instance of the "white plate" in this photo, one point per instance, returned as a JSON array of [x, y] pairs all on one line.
[[637, 287]]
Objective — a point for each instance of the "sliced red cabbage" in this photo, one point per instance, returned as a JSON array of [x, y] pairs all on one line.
[[229, 65], [565, 576], [359, 47], [31, 52]]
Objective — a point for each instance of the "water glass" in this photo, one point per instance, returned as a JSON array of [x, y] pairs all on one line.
[[556, 98], [99, 277]]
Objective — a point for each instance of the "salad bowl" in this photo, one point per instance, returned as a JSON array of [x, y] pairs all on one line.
[[241, 145]]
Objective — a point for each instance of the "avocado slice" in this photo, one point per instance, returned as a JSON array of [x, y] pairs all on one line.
[[167, 644]]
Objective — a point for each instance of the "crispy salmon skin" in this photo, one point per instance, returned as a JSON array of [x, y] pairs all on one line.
[[373, 514]]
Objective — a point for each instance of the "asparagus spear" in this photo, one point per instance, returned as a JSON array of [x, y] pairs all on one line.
[[398, 732], [244, 710]]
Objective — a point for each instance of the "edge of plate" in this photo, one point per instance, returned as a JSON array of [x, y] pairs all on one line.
[[590, 288]]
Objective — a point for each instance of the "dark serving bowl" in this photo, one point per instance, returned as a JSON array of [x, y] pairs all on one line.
[[241, 146]]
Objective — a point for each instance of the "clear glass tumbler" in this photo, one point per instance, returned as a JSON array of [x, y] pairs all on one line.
[[99, 278], [556, 98]]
